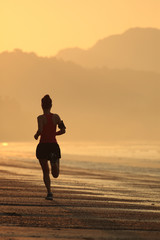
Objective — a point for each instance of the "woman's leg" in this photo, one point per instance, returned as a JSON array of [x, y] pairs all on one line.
[[46, 178], [55, 167]]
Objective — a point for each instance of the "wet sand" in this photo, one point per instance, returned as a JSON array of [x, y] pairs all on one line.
[[86, 205]]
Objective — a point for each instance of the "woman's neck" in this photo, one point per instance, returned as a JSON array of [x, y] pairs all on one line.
[[46, 111]]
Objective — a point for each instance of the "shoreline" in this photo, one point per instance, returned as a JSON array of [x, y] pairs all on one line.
[[87, 204]]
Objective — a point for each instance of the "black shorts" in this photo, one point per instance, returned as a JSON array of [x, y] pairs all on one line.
[[44, 150]]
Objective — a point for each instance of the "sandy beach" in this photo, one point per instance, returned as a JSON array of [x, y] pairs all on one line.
[[87, 204]]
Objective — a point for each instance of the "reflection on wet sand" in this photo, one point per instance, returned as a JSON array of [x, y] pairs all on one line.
[[90, 201]]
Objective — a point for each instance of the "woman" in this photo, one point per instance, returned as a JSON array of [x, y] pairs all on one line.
[[48, 148]]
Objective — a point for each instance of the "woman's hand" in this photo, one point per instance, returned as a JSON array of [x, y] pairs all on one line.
[[36, 136], [60, 132]]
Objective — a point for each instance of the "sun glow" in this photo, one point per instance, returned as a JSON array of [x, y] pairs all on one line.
[[4, 144]]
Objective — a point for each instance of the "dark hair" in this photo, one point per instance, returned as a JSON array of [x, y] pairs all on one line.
[[46, 102]]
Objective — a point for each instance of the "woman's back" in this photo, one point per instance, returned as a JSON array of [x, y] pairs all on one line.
[[49, 128]]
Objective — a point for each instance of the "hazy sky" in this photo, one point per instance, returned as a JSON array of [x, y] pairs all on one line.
[[47, 26]]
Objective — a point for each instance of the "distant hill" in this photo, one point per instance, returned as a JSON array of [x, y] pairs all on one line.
[[136, 49], [95, 104]]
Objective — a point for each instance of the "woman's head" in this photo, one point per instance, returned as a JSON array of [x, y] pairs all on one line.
[[46, 102]]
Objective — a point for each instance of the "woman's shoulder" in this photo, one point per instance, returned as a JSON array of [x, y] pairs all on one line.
[[56, 117], [40, 116]]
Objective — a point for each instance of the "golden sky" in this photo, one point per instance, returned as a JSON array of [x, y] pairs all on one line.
[[47, 26]]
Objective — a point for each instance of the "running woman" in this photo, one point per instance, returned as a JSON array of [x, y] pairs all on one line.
[[48, 148]]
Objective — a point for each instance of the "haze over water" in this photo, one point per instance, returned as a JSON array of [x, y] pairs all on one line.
[[135, 158]]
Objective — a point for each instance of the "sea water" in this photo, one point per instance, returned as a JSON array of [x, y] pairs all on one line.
[[140, 158]]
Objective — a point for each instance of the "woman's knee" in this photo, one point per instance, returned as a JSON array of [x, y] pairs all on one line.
[[45, 167]]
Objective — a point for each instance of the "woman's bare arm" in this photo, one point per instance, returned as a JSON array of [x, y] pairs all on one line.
[[60, 125], [40, 127], [60, 132]]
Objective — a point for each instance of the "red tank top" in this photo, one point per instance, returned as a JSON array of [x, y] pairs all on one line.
[[48, 134]]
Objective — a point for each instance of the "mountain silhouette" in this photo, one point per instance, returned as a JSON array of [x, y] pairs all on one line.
[[136, 49], [95, 104]]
